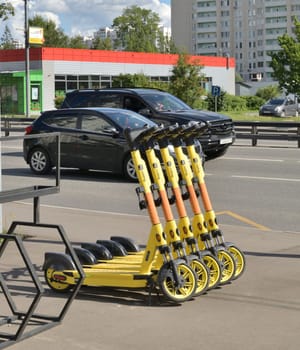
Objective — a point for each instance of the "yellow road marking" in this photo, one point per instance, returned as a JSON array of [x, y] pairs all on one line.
[[245, 220]]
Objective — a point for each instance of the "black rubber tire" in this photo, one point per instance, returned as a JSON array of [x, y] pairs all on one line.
[[128, 169], [39, 161], [167, 284], [240, 260], [202, 276], [215, 270], [228, 266]]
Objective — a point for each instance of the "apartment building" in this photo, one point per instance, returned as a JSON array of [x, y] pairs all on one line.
[[244, 29]]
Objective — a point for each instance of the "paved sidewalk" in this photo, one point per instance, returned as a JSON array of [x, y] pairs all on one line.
[[259, 311]]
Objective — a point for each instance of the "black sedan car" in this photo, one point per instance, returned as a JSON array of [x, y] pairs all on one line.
[[91, 138]]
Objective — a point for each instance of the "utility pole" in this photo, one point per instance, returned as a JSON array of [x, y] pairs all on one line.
[[27, 59]]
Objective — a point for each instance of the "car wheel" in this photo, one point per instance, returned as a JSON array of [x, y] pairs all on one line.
[[39, 161], [129, 169], [282, 114]]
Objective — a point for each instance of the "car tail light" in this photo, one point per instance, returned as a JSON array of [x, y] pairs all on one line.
[[28, 130]]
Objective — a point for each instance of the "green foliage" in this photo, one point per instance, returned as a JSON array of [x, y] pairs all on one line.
[[217, 103], [254, 102], [7, 41], [130, 80], [58, 101], [186, 81], [77, 42], [102, 44], [138, 80], [232, 103], [6, 10], [138, 30], [286, 62], [54, 37], [268, 92]]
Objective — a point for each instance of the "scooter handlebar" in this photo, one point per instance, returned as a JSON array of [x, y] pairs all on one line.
[[135, 137], [162, 134], [193, 130]]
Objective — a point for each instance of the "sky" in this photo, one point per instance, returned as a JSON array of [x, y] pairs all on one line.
[[80, 17]]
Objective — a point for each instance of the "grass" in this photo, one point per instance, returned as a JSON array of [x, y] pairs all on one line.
[[253, 116]]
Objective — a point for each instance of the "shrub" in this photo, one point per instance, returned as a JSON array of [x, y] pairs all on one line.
[[254, 102], [234, 103], [58, 101], [268, 92]]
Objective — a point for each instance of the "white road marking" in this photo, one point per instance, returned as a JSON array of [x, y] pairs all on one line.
[[254, 159], [265, 178]]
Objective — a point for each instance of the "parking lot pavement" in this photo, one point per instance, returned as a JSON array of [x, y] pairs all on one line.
[[260, 310]]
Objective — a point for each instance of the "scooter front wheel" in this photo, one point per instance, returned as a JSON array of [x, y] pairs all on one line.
[[215, 271], [240, 260], [228, 266], [181, 290], [202, 276]]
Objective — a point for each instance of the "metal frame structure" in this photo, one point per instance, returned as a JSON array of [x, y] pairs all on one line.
[[38, 322]]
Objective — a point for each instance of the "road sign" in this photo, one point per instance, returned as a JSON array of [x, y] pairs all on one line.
[[216, 90]]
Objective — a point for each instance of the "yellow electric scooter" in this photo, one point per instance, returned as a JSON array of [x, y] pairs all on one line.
[[184, 224], [161, 135], [188, 137], [171, 230], [199, 224], [175, 279]]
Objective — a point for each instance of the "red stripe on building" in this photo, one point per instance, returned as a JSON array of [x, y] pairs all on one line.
[[83, 55]]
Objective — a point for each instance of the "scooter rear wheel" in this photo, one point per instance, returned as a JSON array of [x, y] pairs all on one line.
[[215, 271], [240, 260], [228, 266], [202, 276], [53, 283], [173, 291]]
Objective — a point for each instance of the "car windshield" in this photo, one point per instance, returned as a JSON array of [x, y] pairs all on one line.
[[276, 101], [165, 102], [128, 119]]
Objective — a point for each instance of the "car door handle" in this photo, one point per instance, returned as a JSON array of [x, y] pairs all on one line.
[[84, 137]]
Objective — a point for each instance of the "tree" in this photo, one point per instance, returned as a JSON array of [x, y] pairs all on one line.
[[286, 62], [186, 81], [138, 80], [166, 44], [6, 10], [7, 41], [77, 42], [137, 30], [268, 92], [54, 37], [131, 80], [102, 44]]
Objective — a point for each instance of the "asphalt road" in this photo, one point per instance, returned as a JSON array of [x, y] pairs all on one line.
[[255, 193], [256, 186]]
